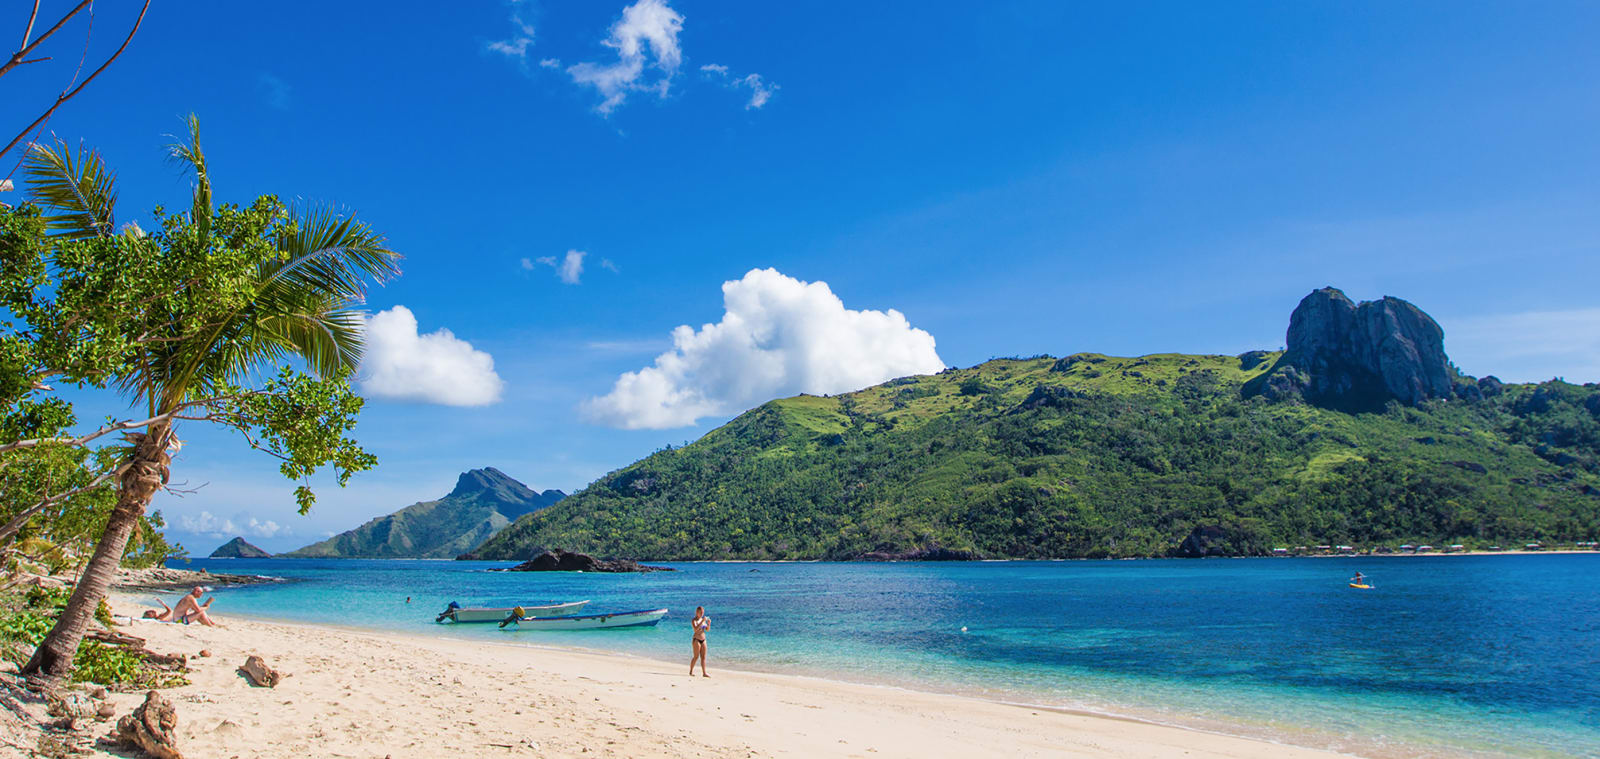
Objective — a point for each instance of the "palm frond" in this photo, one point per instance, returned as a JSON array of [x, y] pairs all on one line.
[[77, 189], [324, 251], [305, 305], [190, 158]]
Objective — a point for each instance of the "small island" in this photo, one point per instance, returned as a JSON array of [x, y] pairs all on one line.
[[239, 548]]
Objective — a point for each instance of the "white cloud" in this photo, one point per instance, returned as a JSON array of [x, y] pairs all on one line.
[[221, 527], [1528, 347], [517, 46], [647, 30], [778, 336], [605, 263], [569, 268], [760, 89], [208, 524], [550, 63], [527, 265], [267, 529], [434, 368]]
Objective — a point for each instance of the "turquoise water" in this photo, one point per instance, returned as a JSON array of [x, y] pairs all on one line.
[[1493, 655]]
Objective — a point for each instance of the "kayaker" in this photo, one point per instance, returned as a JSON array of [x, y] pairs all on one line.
[[700, 624]]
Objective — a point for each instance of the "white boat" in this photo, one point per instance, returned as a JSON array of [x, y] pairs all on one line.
[[457, 614], [645, 618]]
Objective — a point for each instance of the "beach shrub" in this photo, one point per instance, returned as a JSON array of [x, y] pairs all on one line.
[[107, 665], [27, 627]]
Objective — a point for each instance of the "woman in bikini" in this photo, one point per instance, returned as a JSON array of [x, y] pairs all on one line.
[[700, 624]]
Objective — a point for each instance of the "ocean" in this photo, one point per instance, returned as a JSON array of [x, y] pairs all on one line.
[[1463, 655]]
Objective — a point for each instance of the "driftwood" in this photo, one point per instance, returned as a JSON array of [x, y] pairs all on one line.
[[165, 661], [115, 638], [152, 727], [135, 645], [262, 676]]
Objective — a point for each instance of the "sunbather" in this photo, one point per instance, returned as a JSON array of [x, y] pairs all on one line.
[[165, 615], [189, 609]]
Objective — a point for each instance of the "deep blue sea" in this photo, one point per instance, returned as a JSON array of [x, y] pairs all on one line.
[[1493, 655]]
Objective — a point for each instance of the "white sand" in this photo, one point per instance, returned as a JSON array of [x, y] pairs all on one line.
[[363, 694]]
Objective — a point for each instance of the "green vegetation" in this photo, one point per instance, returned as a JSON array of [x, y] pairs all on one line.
[[25, 621], [1092, 456], [202, 320], [483, 502]]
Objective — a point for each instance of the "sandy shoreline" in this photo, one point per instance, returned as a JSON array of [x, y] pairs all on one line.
[[353, 693]]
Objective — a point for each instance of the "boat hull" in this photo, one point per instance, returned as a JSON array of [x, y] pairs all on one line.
[[644, 618], [497, 614]]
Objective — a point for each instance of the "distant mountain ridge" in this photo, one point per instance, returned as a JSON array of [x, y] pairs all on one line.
[[239, 548], [1360, 433], [483, 502]]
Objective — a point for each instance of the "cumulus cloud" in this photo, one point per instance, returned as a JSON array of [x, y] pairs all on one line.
[[550, 63], [647, 34], [207, 523], [760, 89], [1532, 346], [437, 367], [210, 524], [569, 268], [778, 336]]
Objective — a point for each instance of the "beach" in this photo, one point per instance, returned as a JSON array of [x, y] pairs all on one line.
[[356, 693]]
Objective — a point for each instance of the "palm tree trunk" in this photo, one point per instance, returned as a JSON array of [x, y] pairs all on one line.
[[147, 471]]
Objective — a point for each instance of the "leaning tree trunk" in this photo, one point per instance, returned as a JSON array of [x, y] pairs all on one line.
[[146, 472]]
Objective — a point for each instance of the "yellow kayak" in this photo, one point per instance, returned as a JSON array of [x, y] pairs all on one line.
[[1362, 586]]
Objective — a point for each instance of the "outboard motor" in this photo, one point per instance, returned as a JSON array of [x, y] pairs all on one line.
[[448, 613], [516, 615]]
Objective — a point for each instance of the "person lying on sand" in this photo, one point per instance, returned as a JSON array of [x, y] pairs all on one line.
[[189, 609], [165, 615]]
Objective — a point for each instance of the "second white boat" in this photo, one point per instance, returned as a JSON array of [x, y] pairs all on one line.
[[643, 618]]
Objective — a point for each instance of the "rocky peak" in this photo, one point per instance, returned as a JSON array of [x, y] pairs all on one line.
[[1345, 354], [494, 482]]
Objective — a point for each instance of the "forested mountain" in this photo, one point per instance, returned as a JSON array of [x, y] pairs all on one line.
[[483, 502], [1361, 433]]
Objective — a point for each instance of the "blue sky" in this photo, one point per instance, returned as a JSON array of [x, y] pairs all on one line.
[[1008, 178]]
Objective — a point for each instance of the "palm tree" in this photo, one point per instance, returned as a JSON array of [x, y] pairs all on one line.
[[302, 298]]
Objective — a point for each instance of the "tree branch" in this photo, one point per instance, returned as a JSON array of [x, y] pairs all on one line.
[[176, 413], [65, 96], [28, 33], [12, 527], [27, 48]]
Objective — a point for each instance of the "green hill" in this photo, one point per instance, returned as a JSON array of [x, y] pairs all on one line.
[[483, 502], [239, 548], [1099, 456]]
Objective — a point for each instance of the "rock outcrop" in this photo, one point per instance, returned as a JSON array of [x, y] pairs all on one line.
[[1344, 355], [572, 561], [239, 548]]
